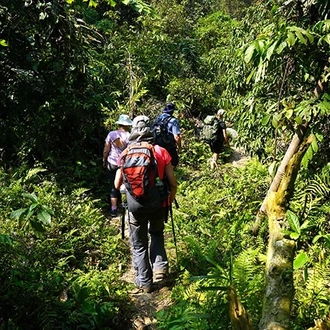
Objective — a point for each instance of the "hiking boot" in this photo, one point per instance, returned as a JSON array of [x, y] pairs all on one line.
[[160, 276], [142, 289], [113, 213]]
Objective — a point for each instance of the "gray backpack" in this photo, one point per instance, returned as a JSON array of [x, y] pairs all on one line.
[[210, 129]]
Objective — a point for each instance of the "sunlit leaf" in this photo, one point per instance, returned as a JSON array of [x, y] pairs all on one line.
[[291, 39], [300, 260], [265, 120], [3, 43], [33, 172], [249, 53], [314, 145], [293, 221]]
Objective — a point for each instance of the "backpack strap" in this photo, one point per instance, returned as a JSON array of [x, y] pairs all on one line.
[[167, 120]]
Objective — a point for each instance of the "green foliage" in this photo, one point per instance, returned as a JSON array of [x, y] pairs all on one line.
[[69, 275]]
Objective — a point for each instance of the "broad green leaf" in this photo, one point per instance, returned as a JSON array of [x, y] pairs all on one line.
[[289, 113], [37, 227], [300, 260], [291, 39], [281, 46], [32, 197], [47, 209], [265, 120], [275, 121], [17, 213], [314, 145], [249, 53], [260, 46], [307, 157], [301, 37], [112, 3], [326, 38], [44, 217], [33, 206], [92, 3], [293, 221], [294, 236], [270, 50]]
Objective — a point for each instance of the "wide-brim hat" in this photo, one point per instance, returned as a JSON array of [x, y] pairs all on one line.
[[124, 120], [221, 112]]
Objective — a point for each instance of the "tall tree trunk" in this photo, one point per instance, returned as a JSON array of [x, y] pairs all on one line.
[[279, 288]]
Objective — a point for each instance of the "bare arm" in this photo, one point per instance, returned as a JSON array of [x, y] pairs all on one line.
[[119, 178], [177, 138], [106, 151], [169, 173], [226, 138]]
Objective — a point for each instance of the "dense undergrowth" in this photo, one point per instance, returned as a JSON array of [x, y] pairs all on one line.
[[62, 260]]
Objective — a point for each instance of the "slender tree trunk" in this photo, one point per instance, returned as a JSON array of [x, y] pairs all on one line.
[[279, 288]]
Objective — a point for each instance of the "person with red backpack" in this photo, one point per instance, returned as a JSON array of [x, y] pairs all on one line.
[[146, 171]]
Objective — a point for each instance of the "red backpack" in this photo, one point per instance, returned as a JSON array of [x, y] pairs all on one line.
[[139, 166]]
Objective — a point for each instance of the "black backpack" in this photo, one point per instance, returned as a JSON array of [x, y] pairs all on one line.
[[162, 136]]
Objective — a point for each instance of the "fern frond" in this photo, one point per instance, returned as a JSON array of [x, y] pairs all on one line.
[[33, 172]]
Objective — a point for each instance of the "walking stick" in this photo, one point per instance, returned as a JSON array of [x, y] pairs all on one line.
[[123, 224], [124, 205]]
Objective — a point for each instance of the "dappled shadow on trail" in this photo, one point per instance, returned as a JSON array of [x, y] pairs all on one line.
[[237, 158]]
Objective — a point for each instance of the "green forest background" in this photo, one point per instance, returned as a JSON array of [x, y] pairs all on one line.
[[252, 240]]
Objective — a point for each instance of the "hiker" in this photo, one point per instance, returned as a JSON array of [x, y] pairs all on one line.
[[115, 142], [150, 262], [216, 145], [173, 128]]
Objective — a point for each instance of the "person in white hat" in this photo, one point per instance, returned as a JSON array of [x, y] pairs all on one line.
[[115, 142], [217, 145]]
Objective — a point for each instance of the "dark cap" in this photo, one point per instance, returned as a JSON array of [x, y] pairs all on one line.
[[170, 107]]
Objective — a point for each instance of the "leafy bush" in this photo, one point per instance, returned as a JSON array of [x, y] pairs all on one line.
[[63, 272]]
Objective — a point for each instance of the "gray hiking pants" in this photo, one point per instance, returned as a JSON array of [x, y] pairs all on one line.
[[147, 260]]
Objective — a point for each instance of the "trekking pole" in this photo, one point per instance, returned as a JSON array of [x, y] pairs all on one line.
[[176, 203], [174, 236], [124, 205], [123, 224]]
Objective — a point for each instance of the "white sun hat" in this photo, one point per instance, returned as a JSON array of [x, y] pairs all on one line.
[[124, 120], [221, 112]]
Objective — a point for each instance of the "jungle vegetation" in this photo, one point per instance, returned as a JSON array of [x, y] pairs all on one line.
[[252, 240]]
